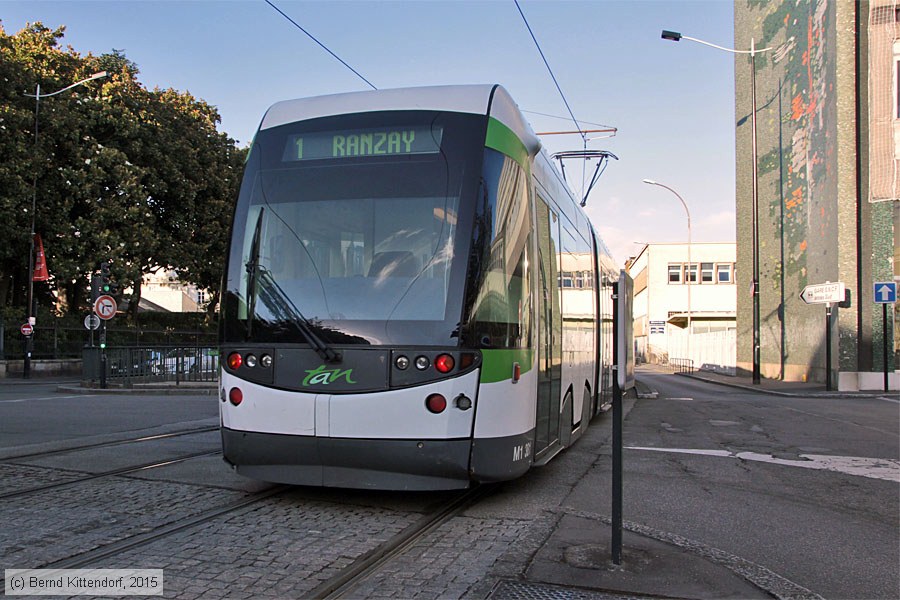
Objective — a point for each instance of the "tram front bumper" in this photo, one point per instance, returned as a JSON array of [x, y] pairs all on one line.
[[384, 464]]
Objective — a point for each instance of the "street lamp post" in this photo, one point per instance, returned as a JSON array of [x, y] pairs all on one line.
[[690, 265], [29, 340], [753, 51]]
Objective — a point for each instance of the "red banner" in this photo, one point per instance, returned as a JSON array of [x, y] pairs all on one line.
[[40, 261]]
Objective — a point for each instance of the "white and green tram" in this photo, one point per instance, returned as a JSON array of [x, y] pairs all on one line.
[[413, 298]]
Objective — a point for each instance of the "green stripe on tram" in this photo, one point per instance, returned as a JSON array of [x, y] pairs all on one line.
[[502, 139], [497, 365]]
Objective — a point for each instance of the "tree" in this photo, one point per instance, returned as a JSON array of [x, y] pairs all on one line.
[[138, 178]]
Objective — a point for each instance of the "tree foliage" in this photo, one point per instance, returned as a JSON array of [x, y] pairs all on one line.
[[139, 178]]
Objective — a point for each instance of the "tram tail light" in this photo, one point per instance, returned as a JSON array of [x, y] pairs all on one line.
[[235, 396], [235, 360], [444, 363], [436, 403]]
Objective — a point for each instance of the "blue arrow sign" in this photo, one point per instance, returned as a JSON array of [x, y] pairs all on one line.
[[885, 292]]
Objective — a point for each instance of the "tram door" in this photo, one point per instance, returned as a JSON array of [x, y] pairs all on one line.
[[549, 329]]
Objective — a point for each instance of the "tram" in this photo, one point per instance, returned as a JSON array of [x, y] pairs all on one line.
[[413, 299]]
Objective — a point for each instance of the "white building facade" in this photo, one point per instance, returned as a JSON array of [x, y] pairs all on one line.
[[166, 293], [685, 308]]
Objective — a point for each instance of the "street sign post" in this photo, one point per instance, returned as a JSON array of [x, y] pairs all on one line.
[[105, 307], [823, 293], [885, 293], [91, 321], [829, 294]]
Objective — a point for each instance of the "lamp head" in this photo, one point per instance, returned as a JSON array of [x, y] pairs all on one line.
[[671, 35], [650, 181]]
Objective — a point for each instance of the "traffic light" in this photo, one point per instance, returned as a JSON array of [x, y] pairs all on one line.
[[95, 288], [105, 286]]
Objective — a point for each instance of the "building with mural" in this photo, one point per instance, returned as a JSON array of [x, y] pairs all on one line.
[[828, 143]]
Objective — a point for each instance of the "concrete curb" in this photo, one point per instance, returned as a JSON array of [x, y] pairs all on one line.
[[803, 394], [142, 391]]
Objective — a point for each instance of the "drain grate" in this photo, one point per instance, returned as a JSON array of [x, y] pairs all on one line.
[[511, 589]]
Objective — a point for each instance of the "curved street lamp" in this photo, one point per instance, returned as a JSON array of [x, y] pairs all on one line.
[[37, 95], [690, 269], [753, 51]]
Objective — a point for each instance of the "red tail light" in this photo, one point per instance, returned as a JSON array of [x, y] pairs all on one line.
[[436, 403], [444, 363], [236, 396], [235, 360]]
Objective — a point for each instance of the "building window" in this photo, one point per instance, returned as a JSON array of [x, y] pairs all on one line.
[[201, 297], [724, 273], [674, 273], [690, 273], [706, 273]]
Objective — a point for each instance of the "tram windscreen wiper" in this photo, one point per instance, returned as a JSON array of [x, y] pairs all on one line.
[[253, 273], [284, 309]]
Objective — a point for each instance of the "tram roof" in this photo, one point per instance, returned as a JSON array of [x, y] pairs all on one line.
[[480, 99]]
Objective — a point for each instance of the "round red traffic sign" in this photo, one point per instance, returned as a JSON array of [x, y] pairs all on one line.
[[26, 329], [105, 307]]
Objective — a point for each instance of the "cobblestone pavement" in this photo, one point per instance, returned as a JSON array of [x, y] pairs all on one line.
[[14, 478], [56, 524], [282, 548]]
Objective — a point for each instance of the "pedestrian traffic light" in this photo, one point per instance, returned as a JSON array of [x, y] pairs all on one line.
[[105, 286]]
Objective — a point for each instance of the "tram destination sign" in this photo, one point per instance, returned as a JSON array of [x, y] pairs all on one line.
[[361, 143], [823, 293]]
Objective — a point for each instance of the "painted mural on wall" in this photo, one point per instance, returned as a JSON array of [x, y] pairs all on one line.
[[798, 182]]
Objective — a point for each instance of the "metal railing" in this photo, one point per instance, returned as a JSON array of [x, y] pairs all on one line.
[[127, 367], [682, 365], [61, 338]]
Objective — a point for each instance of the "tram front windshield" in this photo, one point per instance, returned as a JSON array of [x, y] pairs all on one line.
[[351, 230]]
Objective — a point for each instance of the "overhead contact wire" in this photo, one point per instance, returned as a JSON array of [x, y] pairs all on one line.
[[552, 76], [323, 46]]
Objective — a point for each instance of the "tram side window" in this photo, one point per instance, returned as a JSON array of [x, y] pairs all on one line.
[[500, 262]]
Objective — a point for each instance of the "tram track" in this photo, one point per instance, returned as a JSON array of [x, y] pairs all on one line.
[[341, 585], [111, 443], [113, 549], [345, 582], [111, 473]]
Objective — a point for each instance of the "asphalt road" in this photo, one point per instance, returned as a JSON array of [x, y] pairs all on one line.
[[34, 412], [790, 503]]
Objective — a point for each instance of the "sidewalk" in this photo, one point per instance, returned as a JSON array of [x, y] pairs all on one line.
[[768, 386]]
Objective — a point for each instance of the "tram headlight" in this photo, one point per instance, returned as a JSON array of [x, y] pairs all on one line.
[[401, 363], [422, 363], [266, 361], [251, 360]]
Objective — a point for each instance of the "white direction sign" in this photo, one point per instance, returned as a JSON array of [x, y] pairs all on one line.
[[823, 293], [105, 307], [885, 292]]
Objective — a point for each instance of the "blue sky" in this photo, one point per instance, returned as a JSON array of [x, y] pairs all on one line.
[[672, 103]]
